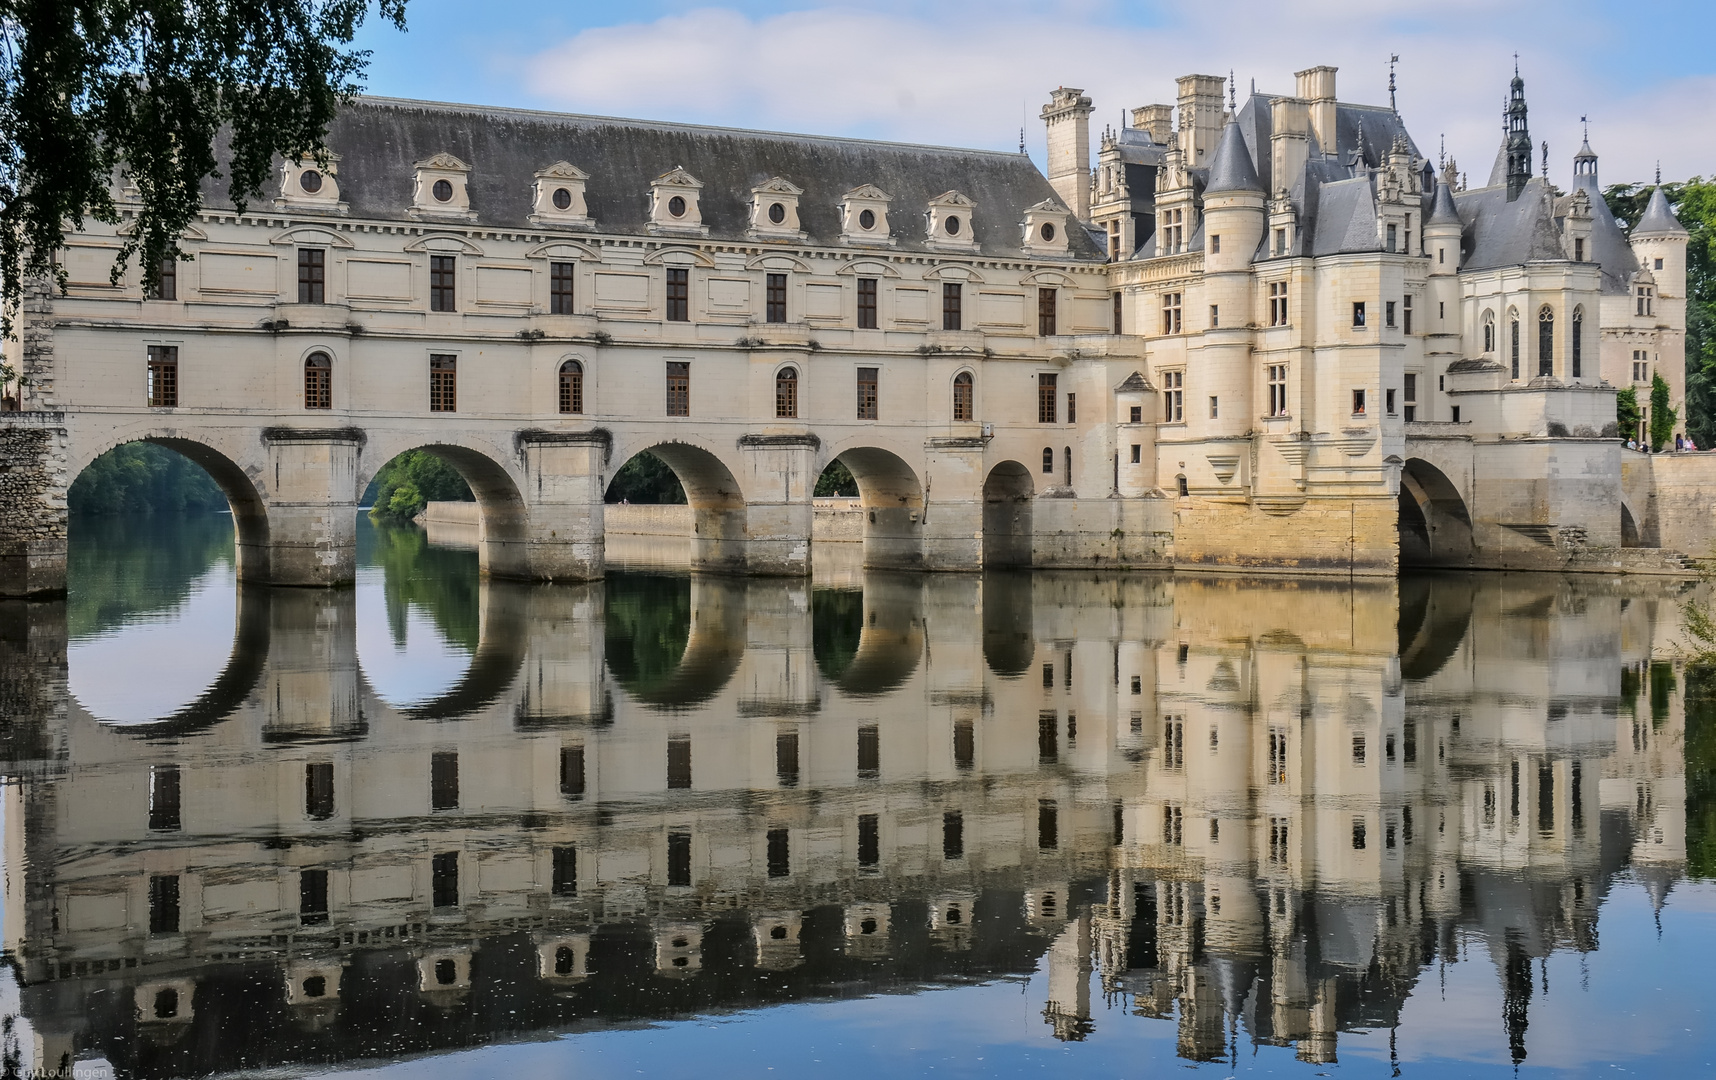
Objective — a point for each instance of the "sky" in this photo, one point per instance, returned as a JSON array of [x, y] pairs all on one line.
[[970, 73]]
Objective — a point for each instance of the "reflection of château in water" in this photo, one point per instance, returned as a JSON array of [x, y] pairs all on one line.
[[1236, 804]]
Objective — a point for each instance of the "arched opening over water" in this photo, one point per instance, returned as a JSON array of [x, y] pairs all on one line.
[[1009, 646], [500, 522], [1435, 526], [673, 641], [715, 523], [1007, 494], [1629, 529], [892, 498]]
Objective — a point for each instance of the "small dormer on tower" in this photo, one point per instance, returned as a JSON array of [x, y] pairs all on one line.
[[441, 191], [774, 210], [1396, 196], [864, 217], [1045, 228], [1576, 226], [675, 204], [949, 222], [308, 184], [558, 197]]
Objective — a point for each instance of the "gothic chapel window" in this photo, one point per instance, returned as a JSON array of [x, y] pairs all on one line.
[[1546, 341]]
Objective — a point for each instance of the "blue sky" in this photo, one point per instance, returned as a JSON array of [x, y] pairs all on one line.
[[961, 73]]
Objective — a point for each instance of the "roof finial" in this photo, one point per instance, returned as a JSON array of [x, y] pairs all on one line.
[[1546, 159], [1232, 93], [1585, 124], [1021, 138], [1442, 153], [1516, 65], [1393, 59], [1658, 172]]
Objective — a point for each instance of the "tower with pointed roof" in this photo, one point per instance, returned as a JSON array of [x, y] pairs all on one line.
[[1515, 158]]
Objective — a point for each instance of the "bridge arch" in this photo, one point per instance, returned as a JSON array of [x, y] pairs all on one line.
[[718, 507], [502, 519], [1007, 502], [892, 496], [1435, 524]]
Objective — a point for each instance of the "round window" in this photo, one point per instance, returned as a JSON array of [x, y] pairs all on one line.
[[953, 225], [867, 219], [777, 213], [1048, 232], [562, 198], [310, 181], [676, 206], [443, 190]]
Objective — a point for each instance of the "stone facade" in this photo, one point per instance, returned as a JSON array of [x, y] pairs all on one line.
[[1273, 322]]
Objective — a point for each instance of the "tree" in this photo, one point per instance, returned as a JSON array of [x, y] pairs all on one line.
[[156, 91], [646, 479], [411, 480], [1627, 412], [836, 480], [1662, 418]]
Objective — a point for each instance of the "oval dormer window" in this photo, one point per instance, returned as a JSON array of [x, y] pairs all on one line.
[[777, 213], [562, 199], [953, 225], [867, 219], [1047, 232], [676, 206], [443, 190], [311, 181]]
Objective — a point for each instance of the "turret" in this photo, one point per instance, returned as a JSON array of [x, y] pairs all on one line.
[[1233, 206], [1067, 118], [1442, 230], [1659, 241]]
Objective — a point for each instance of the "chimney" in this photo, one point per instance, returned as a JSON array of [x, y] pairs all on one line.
[[1158, 120], [1290, 144], [1067, 118], [1202, 107], [1317, 85]]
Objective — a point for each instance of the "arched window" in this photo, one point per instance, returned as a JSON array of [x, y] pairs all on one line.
[[319, 381], [1489, 331], [1576, 350], [1545, 340], [1513, 343], [1049, 460], [786, 392], [962, 396], [571, 387]]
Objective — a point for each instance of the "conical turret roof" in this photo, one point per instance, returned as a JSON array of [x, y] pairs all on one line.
[[1232, 169], [1658, 218], [1444, 213]]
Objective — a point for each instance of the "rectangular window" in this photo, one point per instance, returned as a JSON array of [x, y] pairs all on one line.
[[1173, 742], [1358, 749], [312, 897], [1215, 245], [1358, 314], [1579, 250], [1657, 265], [444, 879], [319, 790], [953, 835], [1277, 389], [869, 840], [442, 271], [1387, 313], [572, 771], [1406, 313], [1358, 834], [312, 276], [444, 781], [1277, 755], [1047, 399], [678, 294], [1213, 404], [1278, 303], [1393, 242], [679, 860], [866, 303], [164, 798], [964, 744], [780, 854], [869, 752], [1173, 825], [950, 305], [1280, 242], [1048, 825], [1171, 322], [678, 762], [560, 288], [1137, 414], [775, 306], [1046, 312], [867, 393], [1278, 841], [164, 904], [1388, 401], [1116, 303], [564, 881], [679, 388], [167, 277], [163, 382], [1358, 402], [786, 758], [1215, 317], [1072, 407], [1137, 452], [1048, 737], [1173, 397], [443, 383]]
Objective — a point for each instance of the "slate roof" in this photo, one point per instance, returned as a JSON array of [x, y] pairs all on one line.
[[378, 140], [1232, 169], [1658, 218], [1503, 233]]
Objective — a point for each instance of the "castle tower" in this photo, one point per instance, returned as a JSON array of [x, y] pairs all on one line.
[[1233, 228], [1067, 119], [1518, 140]]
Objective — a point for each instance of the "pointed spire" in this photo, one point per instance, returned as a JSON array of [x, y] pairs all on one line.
[[1393, 59], [1232, 93], [1658, 218], [1444, 211], [1232, 169]]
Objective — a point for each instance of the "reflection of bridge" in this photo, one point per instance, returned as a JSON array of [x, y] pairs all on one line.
[[1189, 789]]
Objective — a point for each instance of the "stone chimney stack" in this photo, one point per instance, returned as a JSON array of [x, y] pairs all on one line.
[[1202, 111], [1317, 86], [1158, 120], [1289, 145], [1067, 118]]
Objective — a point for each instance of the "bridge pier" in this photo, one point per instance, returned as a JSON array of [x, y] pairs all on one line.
[[33, 486], [564, 473], [953, 504], [780, 475], [308, 534]]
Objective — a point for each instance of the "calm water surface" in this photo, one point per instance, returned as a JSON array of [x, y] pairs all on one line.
[[1102, 825]]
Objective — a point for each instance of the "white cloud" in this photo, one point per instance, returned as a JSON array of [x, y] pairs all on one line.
[[958, 73]]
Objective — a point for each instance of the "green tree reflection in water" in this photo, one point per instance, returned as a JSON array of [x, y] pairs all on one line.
[[440, 581], [123, 566], [648, 627], [837, 623], [1701, 771]]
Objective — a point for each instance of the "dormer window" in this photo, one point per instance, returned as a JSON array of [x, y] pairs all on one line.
[[1045, 229], [867, 219], [442, 191], [864, 217], [949, 222], [311, 185], [562, 199], [774, 210], [559, 197], [675, 204], [311, 181], [953, 225]]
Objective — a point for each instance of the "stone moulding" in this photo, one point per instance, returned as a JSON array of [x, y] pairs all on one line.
[[296, 435], [779, 442], [541, 437]]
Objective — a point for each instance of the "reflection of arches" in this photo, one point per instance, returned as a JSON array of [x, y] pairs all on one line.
[[1007, 515], [1629, 528], [1435, 527], [1435, 612], [673, 642], [496, 663], [502, 520], [1007, 645], [891, 637], [718, 519], [893, 501]]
